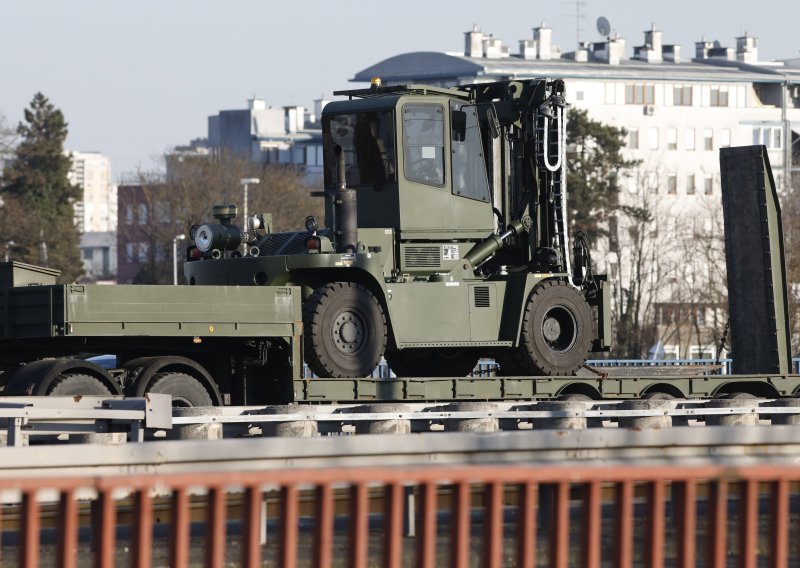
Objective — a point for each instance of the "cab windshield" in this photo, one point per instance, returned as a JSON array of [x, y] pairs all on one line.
[[367, 140]]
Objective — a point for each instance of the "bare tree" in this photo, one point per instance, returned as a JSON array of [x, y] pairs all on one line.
[[666, 268], [634, 268], [790, 209], [168, 207]]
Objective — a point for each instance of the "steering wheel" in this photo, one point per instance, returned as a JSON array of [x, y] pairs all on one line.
[[425, 169]]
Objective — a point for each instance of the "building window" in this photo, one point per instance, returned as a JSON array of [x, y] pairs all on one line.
[[708, 136], [690, 138], [690, 188], [672, 138], [162, 211], [142, 214], [161, 253], [719, 96], [143, 249], [708, 184], [129, 215], [724, 138], [682, 95], [639, 94], [769, 137], [129, 252], [672, 184], [652, 137], [88, 254], [633, 138]]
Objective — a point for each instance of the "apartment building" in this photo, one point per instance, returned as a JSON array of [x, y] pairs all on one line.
[[270, 135], [95, 213]]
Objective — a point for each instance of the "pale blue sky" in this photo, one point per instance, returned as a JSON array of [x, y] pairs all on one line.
[[134, 78]]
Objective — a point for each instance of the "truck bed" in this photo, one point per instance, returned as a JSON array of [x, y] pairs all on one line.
[[85, 310]]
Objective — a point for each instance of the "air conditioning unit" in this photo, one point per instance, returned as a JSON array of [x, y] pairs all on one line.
[[649, 110]]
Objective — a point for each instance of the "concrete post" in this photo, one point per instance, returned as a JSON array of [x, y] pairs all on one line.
[[647, 422], [398, 426], [206, 431], [576, 421], [741, 419], [488, 424], [291, 428]]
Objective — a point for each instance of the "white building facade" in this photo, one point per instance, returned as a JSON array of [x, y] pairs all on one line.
[[95, 213]]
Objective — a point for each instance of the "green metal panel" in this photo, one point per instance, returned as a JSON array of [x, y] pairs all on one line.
[[430, 312], [162, 311], [205, 311], [15, 273], [755, 260], [35, 311], [527, 388], [483, 311]]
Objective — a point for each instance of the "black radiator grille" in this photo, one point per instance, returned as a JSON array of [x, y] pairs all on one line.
[[423, 257]]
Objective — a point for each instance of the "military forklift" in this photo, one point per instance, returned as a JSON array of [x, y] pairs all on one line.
[[445, 239]]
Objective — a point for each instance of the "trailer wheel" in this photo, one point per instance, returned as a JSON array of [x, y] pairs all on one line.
[[556, 330], [77, 384], [186, 391], [344, 331], [432, 362]]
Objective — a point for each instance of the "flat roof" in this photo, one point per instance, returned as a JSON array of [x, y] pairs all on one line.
[[425, 65]]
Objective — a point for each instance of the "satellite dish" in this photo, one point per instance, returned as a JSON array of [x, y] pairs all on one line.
[[603, 26]]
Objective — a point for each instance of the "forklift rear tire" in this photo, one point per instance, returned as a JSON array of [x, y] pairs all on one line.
[[556, 330], [344, 331]]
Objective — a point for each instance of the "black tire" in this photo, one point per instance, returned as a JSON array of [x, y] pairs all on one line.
[[186, 391], [657, 395], [556, 331], [508, 365], [736, 396], [344, 331], [431, 362], [77, 384], [576, 396]]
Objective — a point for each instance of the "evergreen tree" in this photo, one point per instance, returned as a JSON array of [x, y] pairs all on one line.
[[37, 181], [596, 164]]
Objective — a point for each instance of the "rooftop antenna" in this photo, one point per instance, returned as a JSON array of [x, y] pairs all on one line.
[[579, 15], [603, 27]]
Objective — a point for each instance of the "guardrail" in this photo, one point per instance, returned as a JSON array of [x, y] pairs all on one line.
[[115, 421], [521, 515], [117, 417]]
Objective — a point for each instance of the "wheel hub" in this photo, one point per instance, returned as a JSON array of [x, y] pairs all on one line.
[[559, 328], [349, 332], [551, 329]]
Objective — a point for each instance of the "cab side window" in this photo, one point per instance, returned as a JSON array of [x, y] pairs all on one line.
[[423, 144], [469, 166]]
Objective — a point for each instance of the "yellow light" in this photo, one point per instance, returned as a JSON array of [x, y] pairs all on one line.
[[375, 82]]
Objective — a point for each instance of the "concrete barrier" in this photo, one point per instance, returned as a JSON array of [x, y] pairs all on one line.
[[488, 424], [205, 431], [290, 428], [398, 426], [644, 422], [746, 418], [560, 423]]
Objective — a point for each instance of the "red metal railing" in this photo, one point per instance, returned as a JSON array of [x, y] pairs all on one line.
[[515, 515]]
